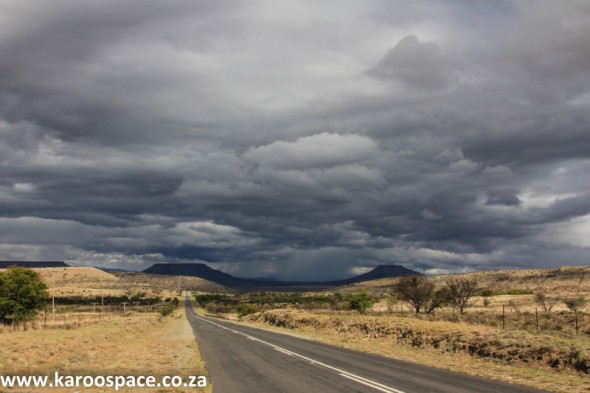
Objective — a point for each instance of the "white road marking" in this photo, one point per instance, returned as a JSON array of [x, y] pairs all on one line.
[[386, 390], [357, 378]]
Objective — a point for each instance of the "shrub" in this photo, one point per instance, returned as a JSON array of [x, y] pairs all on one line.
[[168, 308], [22, 295], [361, 302], [245, 309]]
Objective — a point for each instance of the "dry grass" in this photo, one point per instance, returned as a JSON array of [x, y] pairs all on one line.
[[516, 357], [136, 345], [93, 282], [565, 279], [157, 284]]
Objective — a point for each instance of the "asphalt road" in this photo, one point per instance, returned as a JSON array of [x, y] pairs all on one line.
[[244, 359]]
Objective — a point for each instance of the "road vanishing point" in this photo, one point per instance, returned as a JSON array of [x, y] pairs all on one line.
[[242, 359]]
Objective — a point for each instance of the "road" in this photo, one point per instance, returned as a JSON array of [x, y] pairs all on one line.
[[249, 360]]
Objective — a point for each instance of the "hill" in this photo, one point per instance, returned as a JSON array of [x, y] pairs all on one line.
[[380, 272], [91, 282], [207, 273], [196, 270], [33, 264], [565, 279]]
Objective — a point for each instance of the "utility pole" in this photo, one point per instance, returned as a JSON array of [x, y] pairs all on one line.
[[53, 292], [124, 304]]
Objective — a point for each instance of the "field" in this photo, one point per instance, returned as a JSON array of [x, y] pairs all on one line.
[[535, 360], [506, 335], [139, 344], [93, 282], [565, 279]]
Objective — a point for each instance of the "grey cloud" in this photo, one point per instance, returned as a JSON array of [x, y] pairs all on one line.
[[416, 64], [255, 139], [503, 197]]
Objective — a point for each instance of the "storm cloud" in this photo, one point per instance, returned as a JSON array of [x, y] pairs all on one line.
[[296, 139]]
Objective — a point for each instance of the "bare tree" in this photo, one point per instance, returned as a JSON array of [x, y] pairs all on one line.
[[391, 300], [416, 290], [460, 290], [515, 306], [547, 302]]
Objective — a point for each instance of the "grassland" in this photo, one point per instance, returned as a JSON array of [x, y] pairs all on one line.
[[508, 337], [565, 279], [141, 344], [93, 282], [541, 361]]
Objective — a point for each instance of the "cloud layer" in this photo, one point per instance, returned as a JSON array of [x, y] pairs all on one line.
[[287, 139]]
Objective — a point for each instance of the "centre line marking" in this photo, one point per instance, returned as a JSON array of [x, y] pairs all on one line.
[[357, 378]]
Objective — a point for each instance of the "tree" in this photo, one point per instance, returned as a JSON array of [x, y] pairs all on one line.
[[391, 300], [360, 302], [575, 304], [547, 302], [336, 302], [416, 290], [486, 294], [438, 299], [459, 290], [22, 295]]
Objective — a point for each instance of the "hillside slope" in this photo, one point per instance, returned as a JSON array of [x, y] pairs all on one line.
[[205, 272], [33, 264], [568, 279]]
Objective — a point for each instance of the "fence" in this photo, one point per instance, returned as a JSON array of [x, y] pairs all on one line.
[[60, 321], [563, 323]]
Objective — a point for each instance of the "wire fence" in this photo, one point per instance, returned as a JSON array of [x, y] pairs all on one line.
[[59, 321], [75, 316], [564, 323]]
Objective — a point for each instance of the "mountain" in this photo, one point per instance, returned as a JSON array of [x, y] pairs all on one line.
[[196, 270], [33, 264], [205, 272], [381, 271], [111, 269]]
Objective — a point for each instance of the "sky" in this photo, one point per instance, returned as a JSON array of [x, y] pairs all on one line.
[[300, 140]]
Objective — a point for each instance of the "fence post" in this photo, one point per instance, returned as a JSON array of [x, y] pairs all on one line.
[[537, 318], [576, 317], [503, 318]]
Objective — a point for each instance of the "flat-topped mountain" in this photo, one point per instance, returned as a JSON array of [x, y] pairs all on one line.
[[381, 271], [195, 270], [205, 272], [32, 264]]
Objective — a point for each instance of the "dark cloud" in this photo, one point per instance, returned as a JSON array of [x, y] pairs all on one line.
[[294, 141], [415, 64]]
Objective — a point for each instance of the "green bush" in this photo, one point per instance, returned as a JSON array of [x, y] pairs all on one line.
[[22, 295], [245, 309], [361, 302], [168, 309]]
